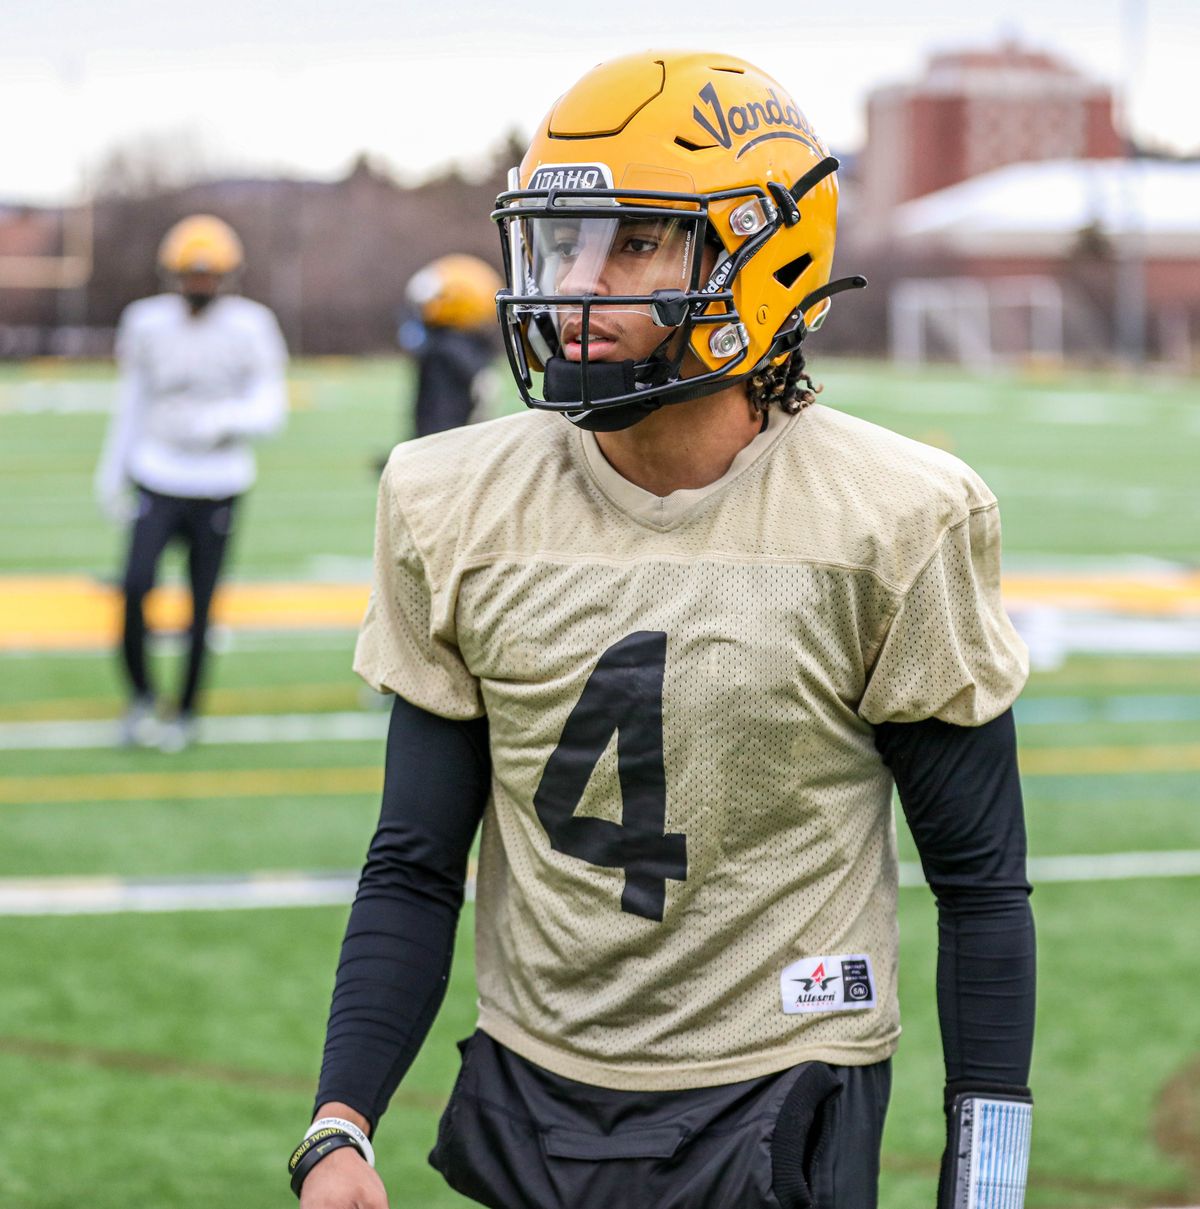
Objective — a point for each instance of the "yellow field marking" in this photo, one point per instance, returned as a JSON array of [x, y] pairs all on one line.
[[326, 782], [77, 613], [1081, 761], [1162, 595]]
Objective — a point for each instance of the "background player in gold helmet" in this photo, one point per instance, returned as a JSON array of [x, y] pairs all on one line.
[[201, 377], [452, 340], [675, 654]]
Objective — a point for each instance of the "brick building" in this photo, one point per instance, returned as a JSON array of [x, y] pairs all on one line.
[[1000, 215], [974, 111]]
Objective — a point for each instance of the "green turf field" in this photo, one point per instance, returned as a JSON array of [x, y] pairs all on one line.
[[168, 1060]]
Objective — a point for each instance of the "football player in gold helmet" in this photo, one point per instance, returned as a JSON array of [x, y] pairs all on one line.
[[644, 203], [675, 652], [199, 255], [452, 340]]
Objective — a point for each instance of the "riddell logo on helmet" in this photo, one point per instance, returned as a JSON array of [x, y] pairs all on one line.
[[725, 125]]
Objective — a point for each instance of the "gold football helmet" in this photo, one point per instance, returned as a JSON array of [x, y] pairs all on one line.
[[701, 176], [455, 291], [200, 243]]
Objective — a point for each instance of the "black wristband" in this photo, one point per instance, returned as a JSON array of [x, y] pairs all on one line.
[[313, 1139], [981, 1087], [305, 1157]]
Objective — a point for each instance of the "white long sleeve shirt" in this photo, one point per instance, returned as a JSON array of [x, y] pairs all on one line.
[[195, 391]]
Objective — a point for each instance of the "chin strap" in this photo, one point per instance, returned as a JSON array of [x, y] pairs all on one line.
[[606, 380], [786, 198], [790, 338], [564, 382], [856, 281]]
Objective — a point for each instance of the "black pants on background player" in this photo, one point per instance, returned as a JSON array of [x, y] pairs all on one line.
[[203, 526]]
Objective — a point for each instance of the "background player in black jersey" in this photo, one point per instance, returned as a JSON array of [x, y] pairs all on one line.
[[452, 339]]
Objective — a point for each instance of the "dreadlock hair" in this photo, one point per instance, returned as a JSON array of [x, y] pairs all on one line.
[[781, 384]]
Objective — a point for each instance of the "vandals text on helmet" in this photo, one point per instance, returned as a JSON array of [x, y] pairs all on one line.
[[771, 115]]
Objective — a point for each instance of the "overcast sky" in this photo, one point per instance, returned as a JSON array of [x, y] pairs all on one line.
[[299, 87]]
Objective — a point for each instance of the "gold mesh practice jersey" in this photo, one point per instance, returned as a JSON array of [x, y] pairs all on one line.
[[688, 870]]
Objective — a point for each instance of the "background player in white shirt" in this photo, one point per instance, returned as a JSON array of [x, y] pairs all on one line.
[[674, 646], [202, 376]]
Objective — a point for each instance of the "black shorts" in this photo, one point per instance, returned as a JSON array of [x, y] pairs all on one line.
[[516, 1136]]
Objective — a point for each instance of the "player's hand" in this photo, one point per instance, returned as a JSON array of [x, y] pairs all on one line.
[[344, 1180], [114, 502]]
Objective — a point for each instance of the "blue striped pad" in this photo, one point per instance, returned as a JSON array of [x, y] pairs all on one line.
[[999, 1154]]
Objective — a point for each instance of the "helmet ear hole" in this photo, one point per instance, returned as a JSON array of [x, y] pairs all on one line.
[[787, 275]]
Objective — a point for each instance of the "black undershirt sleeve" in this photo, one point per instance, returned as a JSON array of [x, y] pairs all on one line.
[[961, 794], [395, 958]]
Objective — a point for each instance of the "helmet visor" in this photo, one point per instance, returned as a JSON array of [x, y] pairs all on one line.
[[576, 269], [615, 256]]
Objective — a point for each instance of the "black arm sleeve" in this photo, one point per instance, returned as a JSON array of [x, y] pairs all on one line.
[[961, 794], [395, 958]]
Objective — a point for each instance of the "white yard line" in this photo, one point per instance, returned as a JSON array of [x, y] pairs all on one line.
[[1102, 867], [115, 896], [367, 725], [246, 728]]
